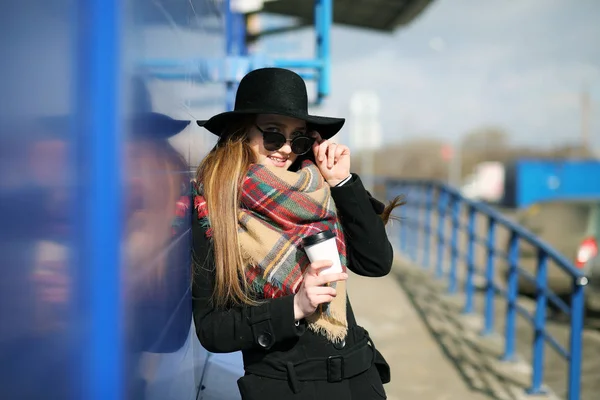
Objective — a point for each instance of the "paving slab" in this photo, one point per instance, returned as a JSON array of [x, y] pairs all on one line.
[[420, 370]]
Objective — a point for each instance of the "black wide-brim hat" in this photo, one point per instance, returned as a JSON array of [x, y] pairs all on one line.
[[273, 91]]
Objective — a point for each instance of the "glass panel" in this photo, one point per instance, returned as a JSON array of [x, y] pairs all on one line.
[[51, 304], [161, 152], [38, 356]]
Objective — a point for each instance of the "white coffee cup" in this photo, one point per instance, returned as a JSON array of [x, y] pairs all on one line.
[[322, 246]]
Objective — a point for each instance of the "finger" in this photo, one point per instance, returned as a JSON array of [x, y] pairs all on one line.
[[321, 299], [339, 152], [316, 267], [328, 278], [331, 154], [317, 136], [321, 291], [322, 150], [315, 149]]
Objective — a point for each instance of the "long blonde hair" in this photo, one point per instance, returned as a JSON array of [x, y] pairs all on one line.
[[221, 173]]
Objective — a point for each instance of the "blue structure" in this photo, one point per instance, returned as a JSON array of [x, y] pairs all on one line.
[[427, 201], [531, 181], [96, 111], [237, 61]]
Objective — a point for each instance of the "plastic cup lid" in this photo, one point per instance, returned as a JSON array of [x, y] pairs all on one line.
[[317, 238]]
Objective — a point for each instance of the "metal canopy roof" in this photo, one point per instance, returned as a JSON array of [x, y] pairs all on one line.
[[380, 15]]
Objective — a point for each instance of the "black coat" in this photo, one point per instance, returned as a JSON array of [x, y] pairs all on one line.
[[267, 334]]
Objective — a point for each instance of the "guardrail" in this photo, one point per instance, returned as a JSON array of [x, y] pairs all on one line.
[[429, 199]]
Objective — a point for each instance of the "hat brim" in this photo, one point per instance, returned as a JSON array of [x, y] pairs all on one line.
[[155, 125], [148, 125], [326, 126]]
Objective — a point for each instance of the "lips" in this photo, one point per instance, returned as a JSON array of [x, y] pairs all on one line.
[[278, 161]]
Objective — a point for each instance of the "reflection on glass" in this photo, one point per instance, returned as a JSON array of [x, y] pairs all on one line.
[[45, 183], [156, 249]]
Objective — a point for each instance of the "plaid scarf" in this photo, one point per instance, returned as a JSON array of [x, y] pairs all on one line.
[[278, 209]]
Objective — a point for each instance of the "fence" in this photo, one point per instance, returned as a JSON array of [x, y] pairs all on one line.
[[458, 217]]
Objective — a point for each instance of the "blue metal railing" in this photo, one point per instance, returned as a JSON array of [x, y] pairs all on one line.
[[427, 200]]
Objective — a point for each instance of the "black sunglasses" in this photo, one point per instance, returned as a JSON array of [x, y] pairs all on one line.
[[273, 141]]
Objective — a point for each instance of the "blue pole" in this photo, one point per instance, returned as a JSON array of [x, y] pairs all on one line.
[[441, 227], [290, 64], [308, 76], [539, 324], [318, 10], [452, 284], [576, 341], [323, 24], [489, 278], [471, 237], [240, 34], [428, 232], [510, 325], [229, 51], [235, 45], [98, 140]]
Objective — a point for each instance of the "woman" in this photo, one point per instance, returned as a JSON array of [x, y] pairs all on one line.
[[273, 178]]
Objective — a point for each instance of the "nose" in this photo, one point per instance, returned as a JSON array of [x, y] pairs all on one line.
[[287, 147]]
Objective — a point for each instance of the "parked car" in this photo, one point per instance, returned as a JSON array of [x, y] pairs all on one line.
[[571, 227], [592, 296]]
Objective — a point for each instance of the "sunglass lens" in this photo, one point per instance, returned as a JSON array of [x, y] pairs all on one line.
[[273, 140], [302, 144]]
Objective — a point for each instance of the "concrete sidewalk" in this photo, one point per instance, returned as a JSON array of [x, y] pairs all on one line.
[[420, 369]]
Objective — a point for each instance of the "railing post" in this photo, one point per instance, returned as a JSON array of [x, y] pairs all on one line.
[[539, 324], [471, 237], [441, 228], [490, 290], [414, 217], [404, 222], [510, 325], [419, 229], [428, 232], [575, 341], [452, 285]]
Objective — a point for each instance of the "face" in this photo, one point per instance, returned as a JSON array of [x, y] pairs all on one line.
[[290, 128]]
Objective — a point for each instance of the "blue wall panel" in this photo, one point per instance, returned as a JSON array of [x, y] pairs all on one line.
[[544, 180]]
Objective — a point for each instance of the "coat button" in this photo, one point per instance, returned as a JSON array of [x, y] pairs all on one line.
[[265, 339], [340, 345]]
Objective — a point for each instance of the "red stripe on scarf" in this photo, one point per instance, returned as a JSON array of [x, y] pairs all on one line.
[[289, 212]]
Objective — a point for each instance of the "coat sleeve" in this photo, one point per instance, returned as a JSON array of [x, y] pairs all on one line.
[[225, 330], [369, 250]]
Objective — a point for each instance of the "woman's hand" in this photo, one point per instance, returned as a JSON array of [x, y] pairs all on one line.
[[313, 290], [333, 159]]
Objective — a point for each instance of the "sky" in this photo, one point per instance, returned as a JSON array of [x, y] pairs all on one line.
[[465, 64]]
